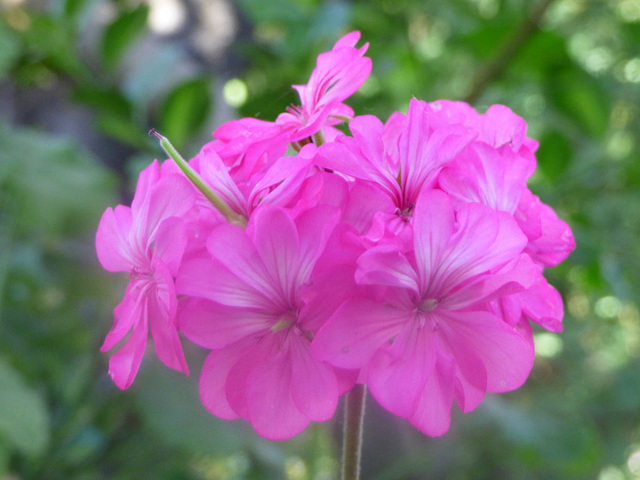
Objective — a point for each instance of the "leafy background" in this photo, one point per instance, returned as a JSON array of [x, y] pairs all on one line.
[[82, 81]]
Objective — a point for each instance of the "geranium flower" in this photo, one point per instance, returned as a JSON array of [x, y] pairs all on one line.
[[146, 241], [339, 73], [257, 302], [427, 337], [402, 157]]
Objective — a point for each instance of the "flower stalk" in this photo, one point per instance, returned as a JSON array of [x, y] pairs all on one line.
[[352, 439]]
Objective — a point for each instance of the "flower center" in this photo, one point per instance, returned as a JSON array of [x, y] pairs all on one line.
[[429, 305]]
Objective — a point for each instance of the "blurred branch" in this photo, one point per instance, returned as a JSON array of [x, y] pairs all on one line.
[[496, 67]]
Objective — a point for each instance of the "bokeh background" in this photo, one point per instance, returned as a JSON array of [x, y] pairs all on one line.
[[81, 83]]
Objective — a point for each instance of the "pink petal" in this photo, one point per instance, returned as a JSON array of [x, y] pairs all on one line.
[[506, 354], [485, 241], [355, 331], [433, 223], [272, 411], [214, 326], [398, 373], [278, 245], [124, 364], [162, 309], [212, 280], [314, 388], [170, 243], [112, 240], [503, 127], [385, 265], [215, 173], [129, 312], [233, 248], [213, 379], [515, 277], [543, 304], [432, 415]]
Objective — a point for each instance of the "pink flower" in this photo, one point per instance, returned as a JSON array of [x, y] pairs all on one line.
[[247, 145], [427, 335], [338, 75], [257, 302], [402, 157], [147, 241], [497, 178], [275, 184]]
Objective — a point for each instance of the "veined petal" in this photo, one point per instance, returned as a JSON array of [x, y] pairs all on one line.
[[112, 240], [212, 280], [276, 241], [433, 226], [272, 411], [162, 304], [233, 247], [212, 325], [398, 372], [129, 313], [516, 276], [432, 415], [484, 241], [314, 388], [213, 379], [506, 354], [124, 364], [170, 243], [356, 330], [385, 265]]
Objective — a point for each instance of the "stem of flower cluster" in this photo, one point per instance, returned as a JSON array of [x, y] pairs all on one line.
[[220, 205], [352, 439]]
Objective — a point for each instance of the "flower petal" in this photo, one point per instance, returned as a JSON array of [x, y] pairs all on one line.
[[213, 380], [272, 412], [124, 364], [314, 388], [112, 240], [398, 373], [212, 325], [355, 331]]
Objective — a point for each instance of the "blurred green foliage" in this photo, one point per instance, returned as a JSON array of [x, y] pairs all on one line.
[[82, 81]]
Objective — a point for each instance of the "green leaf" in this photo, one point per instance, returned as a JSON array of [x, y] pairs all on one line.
[[73, 8], [579, 97], [184, 110], [24, 418], [51, 41], [104, 101], [51, 186], [9, 49], [554, 154], [121, 33], [123, 129]]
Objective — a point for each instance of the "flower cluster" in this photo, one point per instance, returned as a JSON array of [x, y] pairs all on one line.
[[407, 255]]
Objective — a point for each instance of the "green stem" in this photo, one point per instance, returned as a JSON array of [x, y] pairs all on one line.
[[220, 205], [352, 440]]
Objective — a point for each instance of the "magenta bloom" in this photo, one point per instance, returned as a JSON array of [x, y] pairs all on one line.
[[402, 157], [338, 75], [146, 241], [427, 336], [258, 301], [407, 256]]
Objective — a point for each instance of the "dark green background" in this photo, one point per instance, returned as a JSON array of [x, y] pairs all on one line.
[[81, 83]]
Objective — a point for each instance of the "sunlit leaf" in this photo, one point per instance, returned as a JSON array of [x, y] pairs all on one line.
[[24, 418], [184, 110], [121, 33]]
